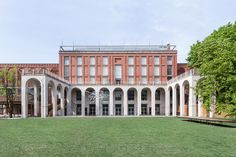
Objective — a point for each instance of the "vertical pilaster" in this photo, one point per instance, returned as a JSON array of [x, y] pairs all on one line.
[[199, 107], [54, 102], [44, 98], [97, 102], [68, 99], [62, 103], [139, 103], [181, 100], [192, 103], [35, 100], [83, 102], [24, 100], [111, 102]]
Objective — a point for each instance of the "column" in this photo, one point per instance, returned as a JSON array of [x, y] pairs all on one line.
[[167, 106], [24, 100], [125, 102], [181, 100], [97, 102], [111, 102], [199, 107], [68, 100], [192, 103], [174, 102], [62, 100], [212, 107], [139, 102], [35, 100], [54, 102], [153, 101], [44, 99], [83, 102]]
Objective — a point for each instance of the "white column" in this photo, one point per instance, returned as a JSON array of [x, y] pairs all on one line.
[[199, 107], [167, 106], [35, 100], [181, 100], [212, 107], [139, 102], [62, 103], [54, 101], [97, 102], [83, 102], [24, 100], [153, 102], [192, 103], [111, 102], [174, 96], [68, 100], [44, 99], [125, 102]]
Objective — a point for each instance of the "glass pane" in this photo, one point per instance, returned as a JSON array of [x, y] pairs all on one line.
[[156, 60], [131, 60], [169, 70], [131, 71], [92, 71], [144, 61], [118, 72], [144, 70], [169, 60], [156, 70], [79, 71], [66, 61], [66, 71], [80, 81], [105, 71], [105, 61], [131, 80], [79, 60], [92, 80], [92, 60]]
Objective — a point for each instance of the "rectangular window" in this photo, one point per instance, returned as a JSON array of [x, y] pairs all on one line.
[[131, 71], [66, 71], [79, 60], [105, 60], [156, 79], [131, 95], [144, 80], [169, 70], [118, 72], [79, 71], [105, 71], [144, 70], [131, 60], [92, 60], [92, 71], [169, 60], [156, 71], [80, 80], [105, 79], [144, 60], [92, 80], [66, 61], [156, 60], [131, 80]]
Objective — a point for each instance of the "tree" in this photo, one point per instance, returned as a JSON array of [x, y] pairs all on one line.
[[7, 87], [215, 60]]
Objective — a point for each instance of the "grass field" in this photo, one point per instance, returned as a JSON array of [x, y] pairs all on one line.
[[108, 137]]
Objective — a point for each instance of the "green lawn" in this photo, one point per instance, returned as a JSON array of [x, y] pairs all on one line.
[[114, 137]]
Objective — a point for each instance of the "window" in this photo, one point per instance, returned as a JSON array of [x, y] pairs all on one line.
[[131, 60], [79, 71], [144, 61], [156, 70], [156, 79], [156, 60], [131, 95], [105, 71], [144, 70], [92, 71], [144, 80], [131, 71], [118, 72], [66, 71], [169, 70], [78, 95], [105, 60], [92, 80], [66, 61], [92, 60], [79, 60], [130, 109], [144, 95], [158, 95], [118, 95], [105, 79], [80, 80], [131, 80], [169, 60]]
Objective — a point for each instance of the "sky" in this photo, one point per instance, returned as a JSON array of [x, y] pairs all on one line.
[[31, 31]]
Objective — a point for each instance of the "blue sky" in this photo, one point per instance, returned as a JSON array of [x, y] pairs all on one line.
[[31, 31]]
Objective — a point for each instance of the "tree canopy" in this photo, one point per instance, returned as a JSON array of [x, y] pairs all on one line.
[[215, 60]]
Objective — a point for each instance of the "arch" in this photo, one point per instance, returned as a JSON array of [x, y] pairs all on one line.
[[90, 102], [132, 98], [104, 100], [76, 101], [160, 101], [146, 95], [185, 88], [118, 101], [33, 97]]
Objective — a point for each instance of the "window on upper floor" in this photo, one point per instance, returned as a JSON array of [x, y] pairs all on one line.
[[144, 60], [169, 60], [131, 60], [156, 60], [66, 61], [105, 60], [92, 60], [79, 60]]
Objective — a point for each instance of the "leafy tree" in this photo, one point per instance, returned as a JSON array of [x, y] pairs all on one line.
[[215, 60], [7, 87]]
